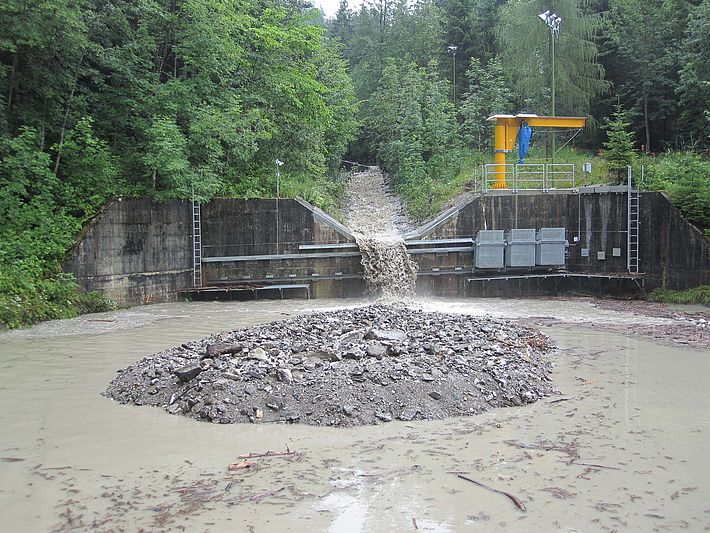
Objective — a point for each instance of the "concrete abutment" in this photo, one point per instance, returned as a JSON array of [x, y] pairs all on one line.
[[137, 251]]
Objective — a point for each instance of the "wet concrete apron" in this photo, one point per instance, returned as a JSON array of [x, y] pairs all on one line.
[[622, 448]]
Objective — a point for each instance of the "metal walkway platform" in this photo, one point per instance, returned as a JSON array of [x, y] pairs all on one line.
[[558, 275], [254, 290]]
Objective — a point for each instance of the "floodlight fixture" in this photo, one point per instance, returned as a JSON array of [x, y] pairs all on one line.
[[553, 22]]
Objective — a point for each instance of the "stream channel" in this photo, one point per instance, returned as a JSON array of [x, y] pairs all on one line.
[[623, 448]]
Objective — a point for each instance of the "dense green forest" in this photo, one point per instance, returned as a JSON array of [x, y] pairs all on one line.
[[197, 98], [428, 73]]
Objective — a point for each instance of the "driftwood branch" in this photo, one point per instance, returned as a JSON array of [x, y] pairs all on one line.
[[560, 400], [258, 497], [265, 454], [242, 465], [519, 504], [594, 465]]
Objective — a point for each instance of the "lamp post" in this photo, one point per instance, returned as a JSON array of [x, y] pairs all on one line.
[[278, 193], [553, 22], [453, 49]]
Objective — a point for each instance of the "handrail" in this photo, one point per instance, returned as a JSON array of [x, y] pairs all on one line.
[[529, 176]]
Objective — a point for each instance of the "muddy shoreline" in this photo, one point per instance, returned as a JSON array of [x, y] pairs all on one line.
[[673, 327]]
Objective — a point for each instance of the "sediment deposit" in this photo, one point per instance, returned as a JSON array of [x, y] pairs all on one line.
[[349, 367]]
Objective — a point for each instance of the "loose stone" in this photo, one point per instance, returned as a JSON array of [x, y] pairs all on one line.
[[346, 367], [188, 372]]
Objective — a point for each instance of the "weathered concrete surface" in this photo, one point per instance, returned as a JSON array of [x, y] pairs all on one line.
[[673, 253], [236, 228], [232, 227], [136, 251]]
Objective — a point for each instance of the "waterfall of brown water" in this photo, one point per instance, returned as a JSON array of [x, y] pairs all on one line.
[[377, 218], [388, 268]]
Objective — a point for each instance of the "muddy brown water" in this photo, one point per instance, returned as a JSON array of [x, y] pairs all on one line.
[[624, 451], [378, 220]]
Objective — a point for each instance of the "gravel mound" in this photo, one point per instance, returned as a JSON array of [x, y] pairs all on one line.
[[345, 368]]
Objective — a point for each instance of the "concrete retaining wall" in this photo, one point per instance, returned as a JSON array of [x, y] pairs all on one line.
[[232, 227], [235, 229], [673, 253], [137, 251]]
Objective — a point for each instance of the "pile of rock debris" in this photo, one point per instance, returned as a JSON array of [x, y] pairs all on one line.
[[345, 368]]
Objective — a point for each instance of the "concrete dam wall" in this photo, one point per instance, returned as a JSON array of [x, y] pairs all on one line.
[[136, 251]]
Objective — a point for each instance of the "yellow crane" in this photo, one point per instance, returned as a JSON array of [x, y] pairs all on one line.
[[506, 133]]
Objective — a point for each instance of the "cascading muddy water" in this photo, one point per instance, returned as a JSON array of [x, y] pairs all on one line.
[[378, 219]]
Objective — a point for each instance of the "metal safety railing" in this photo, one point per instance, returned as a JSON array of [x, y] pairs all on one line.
[[528, 176]]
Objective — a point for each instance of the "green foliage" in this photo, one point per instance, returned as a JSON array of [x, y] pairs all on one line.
[[619, 152], [36, 228], [412, 129], [696, 295], [186, 95], [694, 118], [644, 39], [88, 172], [166, 157], [325, 193], [32, 223], [487, 95], [28, 296], [686, 178], [525, 51]]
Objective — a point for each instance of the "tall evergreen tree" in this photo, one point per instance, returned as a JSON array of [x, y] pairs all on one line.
[[645, 37], [525, 43], [620, 144]]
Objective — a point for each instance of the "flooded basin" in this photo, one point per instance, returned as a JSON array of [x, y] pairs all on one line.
[[621, 448]]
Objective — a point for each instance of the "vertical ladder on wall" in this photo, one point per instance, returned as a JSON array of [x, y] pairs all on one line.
[[633, 211], [196, 244]]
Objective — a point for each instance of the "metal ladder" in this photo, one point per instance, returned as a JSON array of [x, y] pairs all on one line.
[[632, 226], [196, 244]]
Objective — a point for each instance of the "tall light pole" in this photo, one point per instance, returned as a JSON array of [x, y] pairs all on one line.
[[553, 22], [453, 49], [278, 193]]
